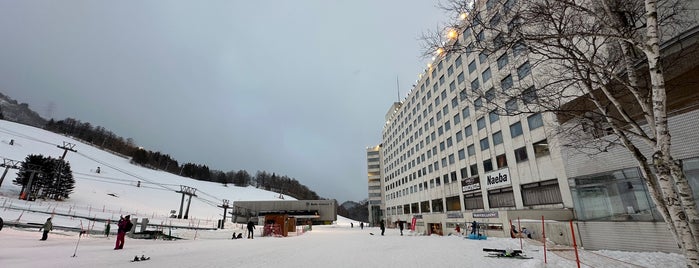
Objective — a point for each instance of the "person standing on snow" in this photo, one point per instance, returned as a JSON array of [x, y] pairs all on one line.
[[474, 228], [124, 225], [382, 225], [107, 228], [361, 225], [251, 227], [400, 227], [48, 226]]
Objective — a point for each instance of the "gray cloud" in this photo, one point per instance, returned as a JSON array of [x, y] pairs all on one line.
[[299, 88]]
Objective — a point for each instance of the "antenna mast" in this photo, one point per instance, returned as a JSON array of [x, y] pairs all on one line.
[[398, 88]]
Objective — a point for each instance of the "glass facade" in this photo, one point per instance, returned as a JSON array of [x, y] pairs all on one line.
[[613, 196]]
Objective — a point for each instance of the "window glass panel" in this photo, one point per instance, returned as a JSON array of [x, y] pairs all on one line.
[[481, 123], [515, 129], [521, 155], [497, 138], [485, 144], [535, 121]]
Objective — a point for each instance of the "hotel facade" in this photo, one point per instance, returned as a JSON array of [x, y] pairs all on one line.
[[445, 159]]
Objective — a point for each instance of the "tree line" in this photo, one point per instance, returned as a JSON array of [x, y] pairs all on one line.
[[102, 138]]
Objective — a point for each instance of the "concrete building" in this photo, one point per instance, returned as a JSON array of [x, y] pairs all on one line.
[[317, 211], [375, 205], [446, 159]]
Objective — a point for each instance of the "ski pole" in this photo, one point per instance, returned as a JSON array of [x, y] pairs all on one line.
[[76, 245]]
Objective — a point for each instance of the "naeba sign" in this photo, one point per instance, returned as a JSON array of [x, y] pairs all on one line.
[[498, 178]]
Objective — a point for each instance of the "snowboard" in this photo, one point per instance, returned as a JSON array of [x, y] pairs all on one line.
[[142, 258]]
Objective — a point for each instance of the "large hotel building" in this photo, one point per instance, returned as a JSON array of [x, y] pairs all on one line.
[[445, 159]]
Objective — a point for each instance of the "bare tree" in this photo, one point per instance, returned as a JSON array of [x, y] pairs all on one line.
[[598, 66]]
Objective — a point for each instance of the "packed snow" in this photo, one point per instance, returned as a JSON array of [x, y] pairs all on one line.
[[115, 192]]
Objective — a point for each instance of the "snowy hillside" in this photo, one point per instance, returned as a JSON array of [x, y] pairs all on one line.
[[114, 190]]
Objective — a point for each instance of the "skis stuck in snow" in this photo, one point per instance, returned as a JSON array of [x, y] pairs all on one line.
[[506, 253], [142, 258]]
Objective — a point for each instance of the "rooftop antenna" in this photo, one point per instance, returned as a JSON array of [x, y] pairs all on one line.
[[398, 88]]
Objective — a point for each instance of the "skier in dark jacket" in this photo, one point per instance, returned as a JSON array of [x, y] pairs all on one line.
[[251, 227], [124, 226], [48, 226], [474, 228], [382, 225]]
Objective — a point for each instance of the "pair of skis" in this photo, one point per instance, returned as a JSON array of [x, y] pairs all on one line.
[[142, 258], [505, 253]]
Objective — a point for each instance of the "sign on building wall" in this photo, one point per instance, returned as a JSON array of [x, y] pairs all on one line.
[[486, 214], [470, 184], [455, 215], [498, 178]]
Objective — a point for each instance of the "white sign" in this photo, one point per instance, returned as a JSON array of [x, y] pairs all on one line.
[[498, 178]]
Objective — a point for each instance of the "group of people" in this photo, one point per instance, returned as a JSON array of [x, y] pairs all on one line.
[[251, 232], [124, 225], [523, 234]]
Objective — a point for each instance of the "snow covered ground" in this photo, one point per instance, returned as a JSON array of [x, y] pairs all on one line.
[[114, 192], [336, 245]]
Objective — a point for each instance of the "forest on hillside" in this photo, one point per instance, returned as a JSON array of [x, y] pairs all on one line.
[[102, 138]]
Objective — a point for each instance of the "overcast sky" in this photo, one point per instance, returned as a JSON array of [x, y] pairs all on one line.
[[299, 87]]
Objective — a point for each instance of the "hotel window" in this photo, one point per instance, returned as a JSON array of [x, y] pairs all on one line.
[[460, 78], [493, 116], [472, 66], [464, 173], [450, 70], [463, 95], [478, 103], [503, 61], [541, 193], [497, 138], [451, 159], [462, 154], [487, 165], [471, 149], [473, 201], [474, 170], [511, 106], [457, 119], [481, 123], [535, 121], [475, 85], [541, 148], [465, 113], [485, 144], [524, 70], [515, 129], [490, 94], [457, 61], [506, 83], [452, 86], [501, 160], [529, 95], [450, 142], [459, 136], [486, 75], [499, 198], [521, 155], [483, 56], [468, 131]]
